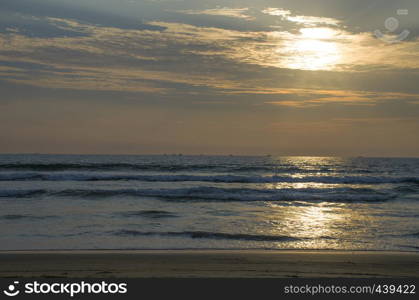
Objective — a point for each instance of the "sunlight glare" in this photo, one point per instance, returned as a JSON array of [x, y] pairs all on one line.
[[313, 49]]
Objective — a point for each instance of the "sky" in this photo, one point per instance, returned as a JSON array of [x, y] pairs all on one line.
[[284, 77]]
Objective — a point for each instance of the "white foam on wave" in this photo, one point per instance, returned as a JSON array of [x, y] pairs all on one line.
[[34, 176]]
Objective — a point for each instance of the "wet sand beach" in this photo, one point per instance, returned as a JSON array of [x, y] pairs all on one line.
[[208, 264]]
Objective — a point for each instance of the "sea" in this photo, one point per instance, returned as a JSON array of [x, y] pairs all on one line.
[[208, 202]]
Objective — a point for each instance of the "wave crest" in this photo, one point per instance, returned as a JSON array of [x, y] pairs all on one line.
[[211, 235], [207, 178]]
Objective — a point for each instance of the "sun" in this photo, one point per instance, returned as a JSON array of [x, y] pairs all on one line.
[[313, 49]]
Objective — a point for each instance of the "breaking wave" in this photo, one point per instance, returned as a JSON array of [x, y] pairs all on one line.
[[205, 193], [33, 176], [211, 235]]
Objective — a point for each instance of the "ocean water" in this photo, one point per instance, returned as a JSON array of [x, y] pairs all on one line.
[[208, 202]]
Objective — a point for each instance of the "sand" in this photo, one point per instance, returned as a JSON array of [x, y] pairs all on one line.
[[208, 263]]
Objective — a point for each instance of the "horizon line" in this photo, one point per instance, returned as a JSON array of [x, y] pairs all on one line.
[[205, 154]]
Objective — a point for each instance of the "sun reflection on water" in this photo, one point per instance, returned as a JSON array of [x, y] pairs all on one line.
[[318, 213], [317, 221], [320, 226]]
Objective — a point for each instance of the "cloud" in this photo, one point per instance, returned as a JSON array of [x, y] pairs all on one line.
[[306, 20], [12, 29], [187, 58], [362, 130], [309, 20], [277, 12], [126, 53], [220, 11], [341, 97], [372, 120], [347, 100]]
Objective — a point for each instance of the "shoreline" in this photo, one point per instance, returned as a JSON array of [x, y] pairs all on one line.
[[203, 250], [208, 264]]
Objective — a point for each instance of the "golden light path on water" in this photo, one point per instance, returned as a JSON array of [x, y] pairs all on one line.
[[319, 224]]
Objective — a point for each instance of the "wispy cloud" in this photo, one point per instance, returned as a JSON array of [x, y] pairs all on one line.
[[306, 20], [364, 129], [220, 11], [309, 20], [277, 12], [341, 97], [372, 120]]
